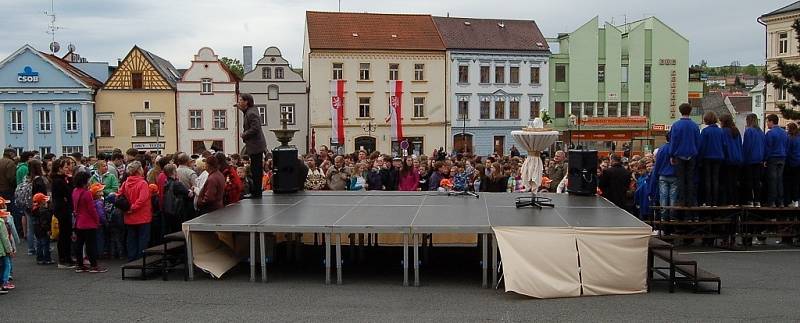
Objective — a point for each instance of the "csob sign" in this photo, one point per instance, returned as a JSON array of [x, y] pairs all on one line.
[[28, 75]]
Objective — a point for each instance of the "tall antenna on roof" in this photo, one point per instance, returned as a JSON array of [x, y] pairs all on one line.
[[52, 28], [340, 5]]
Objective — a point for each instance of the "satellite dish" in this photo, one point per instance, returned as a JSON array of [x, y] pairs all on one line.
[[71, 48], [55, 47]]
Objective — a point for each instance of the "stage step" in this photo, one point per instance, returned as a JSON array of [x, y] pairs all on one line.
[[175, 236], [167, 248], [698, 275], [656, 243], [673, 257], [143, 264]]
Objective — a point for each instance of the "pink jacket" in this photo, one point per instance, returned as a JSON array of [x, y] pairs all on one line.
[[138, 193], [409, 181], [86, 216]]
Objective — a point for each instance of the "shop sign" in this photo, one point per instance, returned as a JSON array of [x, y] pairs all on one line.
[[28, 75], [634, 121], [667, 61], [149, 145]]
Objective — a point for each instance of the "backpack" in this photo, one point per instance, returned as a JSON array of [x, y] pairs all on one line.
[[122, 203], [173, 204], [23, 195], [43, 217]]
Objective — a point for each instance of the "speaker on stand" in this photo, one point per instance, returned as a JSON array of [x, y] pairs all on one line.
[[582, 178]]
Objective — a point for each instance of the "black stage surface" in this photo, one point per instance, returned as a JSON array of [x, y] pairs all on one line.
[[409, 213]]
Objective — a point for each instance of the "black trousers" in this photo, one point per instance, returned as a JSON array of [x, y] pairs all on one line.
[[86, 237], [791, 176], [729, 185], [711, 181], [687, 190], [64, 239], [775, 181], [752, 183], [256, 173]]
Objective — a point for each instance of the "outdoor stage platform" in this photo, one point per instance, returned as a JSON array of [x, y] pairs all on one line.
[[414, 213]]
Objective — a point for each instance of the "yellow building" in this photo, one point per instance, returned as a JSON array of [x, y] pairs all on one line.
[[781, 44], [136, 106], [367, 51]]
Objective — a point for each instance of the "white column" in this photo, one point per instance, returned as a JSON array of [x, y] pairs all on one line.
[[568, 109], [629, 109], [583, 110], [605, 109], [2, 122], [30, 126], [57, 129], [85, 129]]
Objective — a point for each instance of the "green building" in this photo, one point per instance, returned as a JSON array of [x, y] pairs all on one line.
[[612, 84]]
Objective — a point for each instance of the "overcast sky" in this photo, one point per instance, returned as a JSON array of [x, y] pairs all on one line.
[[105, 30]]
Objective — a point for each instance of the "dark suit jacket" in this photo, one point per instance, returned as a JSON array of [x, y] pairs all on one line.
[[253, 136], [614, 182]]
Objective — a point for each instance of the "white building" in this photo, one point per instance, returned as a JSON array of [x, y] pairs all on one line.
[[276, 87], [207, 118], [757, 93], [497, 80]]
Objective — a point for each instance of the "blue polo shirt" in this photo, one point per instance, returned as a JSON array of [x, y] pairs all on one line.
[[684, 139], [753, 146], [711, 143], [777, 143]]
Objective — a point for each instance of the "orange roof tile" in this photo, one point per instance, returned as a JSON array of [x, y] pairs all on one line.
[[370, 31]]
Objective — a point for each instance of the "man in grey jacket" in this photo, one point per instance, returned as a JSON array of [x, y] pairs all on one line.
[[254, 143]]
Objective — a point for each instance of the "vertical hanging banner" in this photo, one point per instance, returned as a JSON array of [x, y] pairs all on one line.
[[396, 109], [337, 112]]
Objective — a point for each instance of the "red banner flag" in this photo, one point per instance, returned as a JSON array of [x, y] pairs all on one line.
[[337, 112], [396, 109]]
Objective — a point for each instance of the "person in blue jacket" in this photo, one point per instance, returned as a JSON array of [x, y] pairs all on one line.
[[792, 172], [663, 182], [685, 143], [775, 147], [752, 161], [729, 181], [711, 156]]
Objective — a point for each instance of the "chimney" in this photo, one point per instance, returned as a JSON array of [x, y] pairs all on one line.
[[247, 59]]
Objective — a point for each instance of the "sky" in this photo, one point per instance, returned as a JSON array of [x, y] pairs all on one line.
[[719, 32]]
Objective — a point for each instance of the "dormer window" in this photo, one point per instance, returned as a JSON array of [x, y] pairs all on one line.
[[266, 73], [206, 86]]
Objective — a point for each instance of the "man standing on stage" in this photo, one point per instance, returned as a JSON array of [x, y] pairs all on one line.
[[615, 181], [254, 142]]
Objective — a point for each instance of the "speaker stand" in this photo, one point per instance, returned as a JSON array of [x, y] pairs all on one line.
[[534, 201], [462, 193]]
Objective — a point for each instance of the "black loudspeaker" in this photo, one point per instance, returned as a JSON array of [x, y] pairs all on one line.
[[284, 170], [582, 178]]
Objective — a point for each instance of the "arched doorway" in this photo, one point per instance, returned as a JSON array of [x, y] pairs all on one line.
[[367, 143], [462, 143]]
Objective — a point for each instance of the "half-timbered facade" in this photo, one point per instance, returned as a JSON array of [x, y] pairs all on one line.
[[136, 106]]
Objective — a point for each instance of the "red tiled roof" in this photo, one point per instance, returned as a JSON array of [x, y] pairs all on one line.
[[497, 34], [338, 30], [91, 81], [741, 104]]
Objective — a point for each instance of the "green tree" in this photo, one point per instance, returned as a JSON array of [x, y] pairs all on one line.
[[751, 70], [234, 65], [788, 79]]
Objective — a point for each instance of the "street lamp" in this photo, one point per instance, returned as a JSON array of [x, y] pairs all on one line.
[[369, 128], [160, 124], [463, 116]]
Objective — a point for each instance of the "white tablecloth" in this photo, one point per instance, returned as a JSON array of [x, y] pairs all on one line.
[[533, 142]]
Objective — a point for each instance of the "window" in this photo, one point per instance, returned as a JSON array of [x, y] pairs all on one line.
[[601, 109], [279, 73], [136, 81], [199, 146], [66, 150], [783, 43], [463, 74], [219, 121], [536, 109], [419, 72], [44, 121], [782, 94], [72, 121], [337, 71], [647, 73], [588, 109], [148, 127], [514, 75], [363, 107], [561, 73], [646, 109], [16, 121], [146, 105], [484, 74], [266, 73], [205, 86], [500, 108], [624, 75], [289, 109], [601, 73], [757, 101], [195, 119], [18, 150], [513, 108], [394, 72], [262, 112], [463, 107], [635, 109], [419, 107], [363, 71], [623, 110], [272, 92], [45, 150], [499, 74], [560, 110], [535, 75], [141, 128], [612, 109], [485, 102]]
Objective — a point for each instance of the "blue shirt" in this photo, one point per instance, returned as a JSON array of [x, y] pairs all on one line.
[[777, 143], [711, 143], [793, 158], [685, 139], [663, 167], [733, 148], [753, 146]]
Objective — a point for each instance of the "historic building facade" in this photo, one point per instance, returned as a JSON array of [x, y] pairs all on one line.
[[207, 118], [47, 104], [368, 52], [781, 44], [497, 80], [611, 84], [136, 106], [276, 88]]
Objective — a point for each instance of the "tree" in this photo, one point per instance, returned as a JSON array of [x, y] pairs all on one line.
[[751, 70], [787, 79], [234, 65]]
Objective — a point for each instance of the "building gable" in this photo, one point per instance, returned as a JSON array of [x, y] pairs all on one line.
[[27, 68], [206, 64], [137, 62]]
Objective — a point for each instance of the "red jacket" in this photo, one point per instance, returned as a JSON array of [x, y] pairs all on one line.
[[233, 186], [138, 193], [86, 216]]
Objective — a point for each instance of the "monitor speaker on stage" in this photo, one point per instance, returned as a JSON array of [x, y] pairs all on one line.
[[582, 178], [285, 169]]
